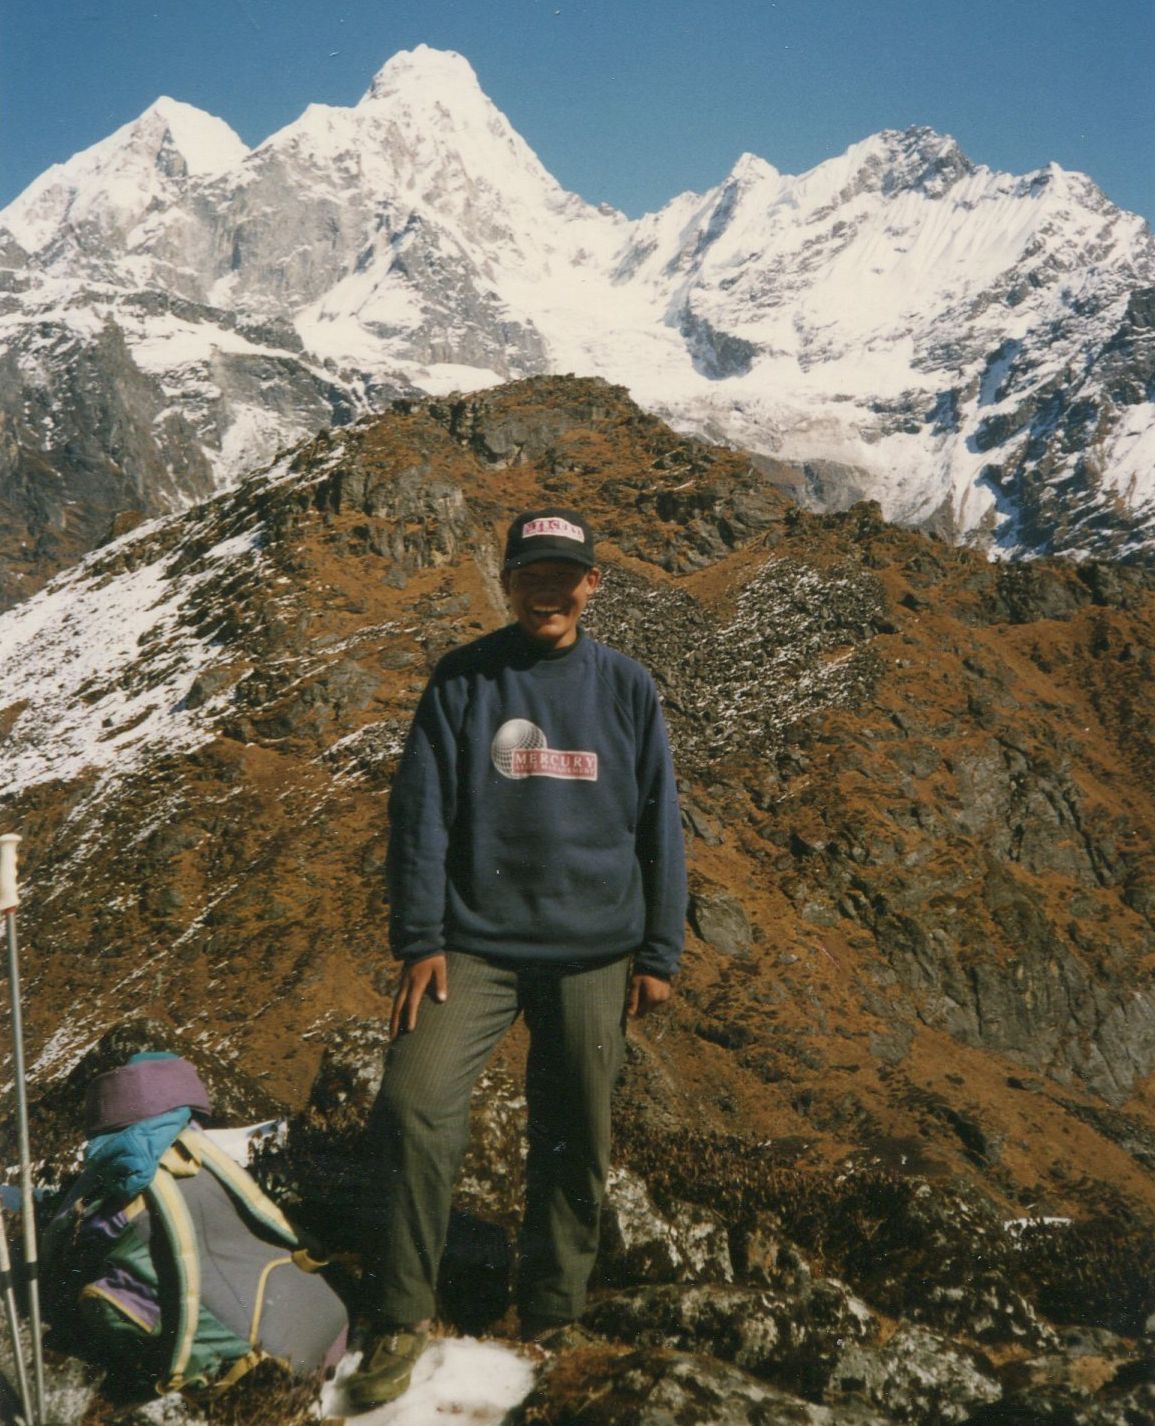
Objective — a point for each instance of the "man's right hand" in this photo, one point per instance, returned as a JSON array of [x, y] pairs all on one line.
[[416, 978]]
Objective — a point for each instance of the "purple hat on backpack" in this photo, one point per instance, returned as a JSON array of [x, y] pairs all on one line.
[[146, 1085]]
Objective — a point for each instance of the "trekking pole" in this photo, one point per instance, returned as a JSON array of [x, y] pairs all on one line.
[[9, 1293], [9, 900]]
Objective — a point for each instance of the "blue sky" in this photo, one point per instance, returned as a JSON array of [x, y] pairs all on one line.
[[625, 101]]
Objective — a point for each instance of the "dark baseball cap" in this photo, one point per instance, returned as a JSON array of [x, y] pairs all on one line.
[[551, 534]]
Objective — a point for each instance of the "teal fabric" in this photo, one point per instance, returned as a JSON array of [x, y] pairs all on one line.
[[124, 1161], [116, 1336]]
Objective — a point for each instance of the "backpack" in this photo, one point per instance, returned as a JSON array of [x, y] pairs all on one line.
[[192, 1277]]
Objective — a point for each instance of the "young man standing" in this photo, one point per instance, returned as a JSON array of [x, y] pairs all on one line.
[[536, 867]]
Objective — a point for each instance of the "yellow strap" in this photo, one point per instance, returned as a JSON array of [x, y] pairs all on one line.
[[259, 1304], [190, 1152], [182, 1237], [93, 1289], [181, 1158], [240, 1184], [241, 1367]]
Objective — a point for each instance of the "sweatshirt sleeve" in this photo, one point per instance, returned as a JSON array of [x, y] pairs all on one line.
[[422, 807], [660, 846]]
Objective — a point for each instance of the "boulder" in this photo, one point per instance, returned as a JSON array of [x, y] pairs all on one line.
[[765, 1257], [641, 1245], [1058, 1407], [793, 1340], [718, 918], [917, 1376], [655, 1387]]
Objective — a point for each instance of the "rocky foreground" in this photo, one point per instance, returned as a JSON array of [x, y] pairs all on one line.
[[918, 999], [731, 1290]]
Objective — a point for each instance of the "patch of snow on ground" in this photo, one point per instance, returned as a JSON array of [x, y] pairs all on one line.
[[163, 343], [459, 1379], [240, 1142], [445, 377], [253, 433], [60, 1053], [1016, 1227], [73, 654]]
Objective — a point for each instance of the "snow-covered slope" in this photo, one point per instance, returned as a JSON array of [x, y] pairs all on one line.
[[107, 192], [974, 349], [900, 311]]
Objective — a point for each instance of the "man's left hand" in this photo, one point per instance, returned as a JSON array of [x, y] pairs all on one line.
[[647, 992]]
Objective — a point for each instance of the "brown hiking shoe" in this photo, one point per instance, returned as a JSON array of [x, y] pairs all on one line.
[[386, 1368]]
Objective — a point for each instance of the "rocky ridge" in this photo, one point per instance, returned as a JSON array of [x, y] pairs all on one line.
[[972, 349], [916, 787]]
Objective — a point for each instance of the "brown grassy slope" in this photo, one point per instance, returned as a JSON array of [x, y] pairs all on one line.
[[918, 789]]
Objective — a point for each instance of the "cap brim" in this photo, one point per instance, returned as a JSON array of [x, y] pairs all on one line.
[[536, 556]]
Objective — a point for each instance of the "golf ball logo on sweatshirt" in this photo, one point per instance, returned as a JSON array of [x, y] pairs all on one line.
[[519, 749]]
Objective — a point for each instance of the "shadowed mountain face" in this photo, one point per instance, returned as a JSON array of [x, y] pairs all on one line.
[[917, 789]]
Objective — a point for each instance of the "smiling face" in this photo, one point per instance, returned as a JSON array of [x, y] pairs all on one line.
[[548, 597]]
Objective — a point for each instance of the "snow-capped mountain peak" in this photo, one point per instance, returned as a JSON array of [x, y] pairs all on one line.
[[750, 169], [447, 143], [427, 104], [898, 322], [424, 68], [114, 182], [888, 164], [201, 142], [425, 147]]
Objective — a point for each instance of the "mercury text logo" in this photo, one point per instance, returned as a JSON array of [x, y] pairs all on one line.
[[519, 749]]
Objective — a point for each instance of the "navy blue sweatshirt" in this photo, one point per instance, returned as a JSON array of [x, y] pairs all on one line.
[[534, 814]]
